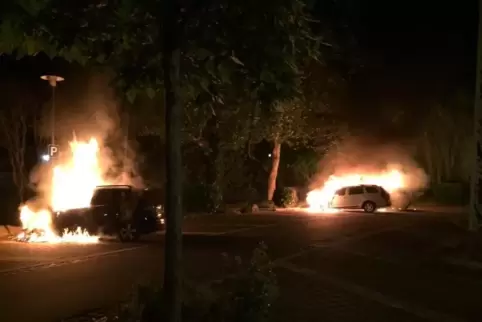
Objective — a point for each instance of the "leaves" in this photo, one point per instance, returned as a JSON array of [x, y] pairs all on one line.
[[151, 93], [33, 7], [236, 60], [218, 71], [131, 95]]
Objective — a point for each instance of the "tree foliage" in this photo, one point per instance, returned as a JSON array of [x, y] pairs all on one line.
[[445, 146], [14, 123], [229, 54], [123, 33]]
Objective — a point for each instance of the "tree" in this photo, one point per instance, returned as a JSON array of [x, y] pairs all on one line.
[[444, 133], [287, 124], [201, 59], [14, 126], [173, 253], [295, 123]]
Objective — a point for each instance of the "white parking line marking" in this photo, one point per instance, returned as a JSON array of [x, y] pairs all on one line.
[[371, 294], [68, 260], [234, 231], [282, 222], [218, 233]]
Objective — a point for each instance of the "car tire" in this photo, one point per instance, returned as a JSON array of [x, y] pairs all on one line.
[[128, 233], [369, 207]]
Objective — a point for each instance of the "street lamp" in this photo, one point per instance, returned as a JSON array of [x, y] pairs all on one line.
[[53, 80]]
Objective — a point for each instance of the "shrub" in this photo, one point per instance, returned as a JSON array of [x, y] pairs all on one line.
[[446, 194], [245, 296], [196, 197], [450, 193], [288, 197]]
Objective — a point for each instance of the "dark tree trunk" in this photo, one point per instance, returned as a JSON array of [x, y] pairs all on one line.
[[214, 166], [273, 175], [173, 121]]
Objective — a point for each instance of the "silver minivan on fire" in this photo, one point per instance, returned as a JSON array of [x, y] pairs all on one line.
[[366, 197]]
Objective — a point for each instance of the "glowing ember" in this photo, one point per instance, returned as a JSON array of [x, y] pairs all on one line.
[[73, 184], [320, 198]]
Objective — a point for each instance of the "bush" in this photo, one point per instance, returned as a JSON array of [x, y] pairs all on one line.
[[451, 193], [246, 296], [196, 197], [9, 202], [288, 197], [446, 194]]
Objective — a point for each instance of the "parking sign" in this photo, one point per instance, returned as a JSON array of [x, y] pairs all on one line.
[[53, 150]]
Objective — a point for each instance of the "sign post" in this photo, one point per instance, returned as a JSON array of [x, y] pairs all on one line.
[[53, 80], [53, 150]]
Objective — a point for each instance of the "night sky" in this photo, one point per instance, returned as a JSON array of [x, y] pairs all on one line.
[[416, 49], [413, 54]]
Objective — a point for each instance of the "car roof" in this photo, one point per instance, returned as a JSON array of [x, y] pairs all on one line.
[[113, 187], [362, 185], [155, 195]]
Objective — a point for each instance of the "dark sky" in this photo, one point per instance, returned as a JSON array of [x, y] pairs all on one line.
[[418, 45], [414, 53]]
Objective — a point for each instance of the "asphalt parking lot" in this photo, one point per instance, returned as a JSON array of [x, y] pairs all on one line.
[[331, 267]]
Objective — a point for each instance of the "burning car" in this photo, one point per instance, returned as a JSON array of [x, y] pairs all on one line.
[[118, 210], [78, 199], [366, 197], [367, 191]]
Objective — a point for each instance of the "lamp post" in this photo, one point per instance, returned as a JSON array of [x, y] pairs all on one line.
[[475, 215], [53, 80]]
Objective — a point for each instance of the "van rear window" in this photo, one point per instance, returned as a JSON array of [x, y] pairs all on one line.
[[371, 189], [355, 190]]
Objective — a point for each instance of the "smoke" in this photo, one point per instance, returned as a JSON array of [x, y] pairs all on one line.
[[371, 157], [84, 110]]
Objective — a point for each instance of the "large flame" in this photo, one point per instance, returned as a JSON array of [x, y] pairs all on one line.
[[320, 198], [37, 227], [73, 185]]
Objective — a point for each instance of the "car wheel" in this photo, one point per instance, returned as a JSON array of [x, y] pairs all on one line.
[[128, 233], [369, 206]]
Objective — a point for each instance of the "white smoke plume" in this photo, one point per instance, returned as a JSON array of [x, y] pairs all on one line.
[[370, 157], [84, 110]]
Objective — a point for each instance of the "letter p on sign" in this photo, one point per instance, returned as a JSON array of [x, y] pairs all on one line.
[[53, 150]]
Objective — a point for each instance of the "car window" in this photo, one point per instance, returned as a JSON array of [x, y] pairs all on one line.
[[110, 197], [341, 192], [102, 197], [355, 190], [371, 189], [119, 195], [144, 201], [153, 196]]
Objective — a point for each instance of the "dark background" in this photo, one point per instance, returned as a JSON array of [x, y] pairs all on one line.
[[396, 58]]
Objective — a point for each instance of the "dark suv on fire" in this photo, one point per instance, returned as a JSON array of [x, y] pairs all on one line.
[[118, 210]]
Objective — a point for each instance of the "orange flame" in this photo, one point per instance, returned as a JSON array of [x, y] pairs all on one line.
[[73, 185]]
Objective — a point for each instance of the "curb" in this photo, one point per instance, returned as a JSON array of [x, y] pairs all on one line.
[[439, 208], [8, 231], [230, 214]]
